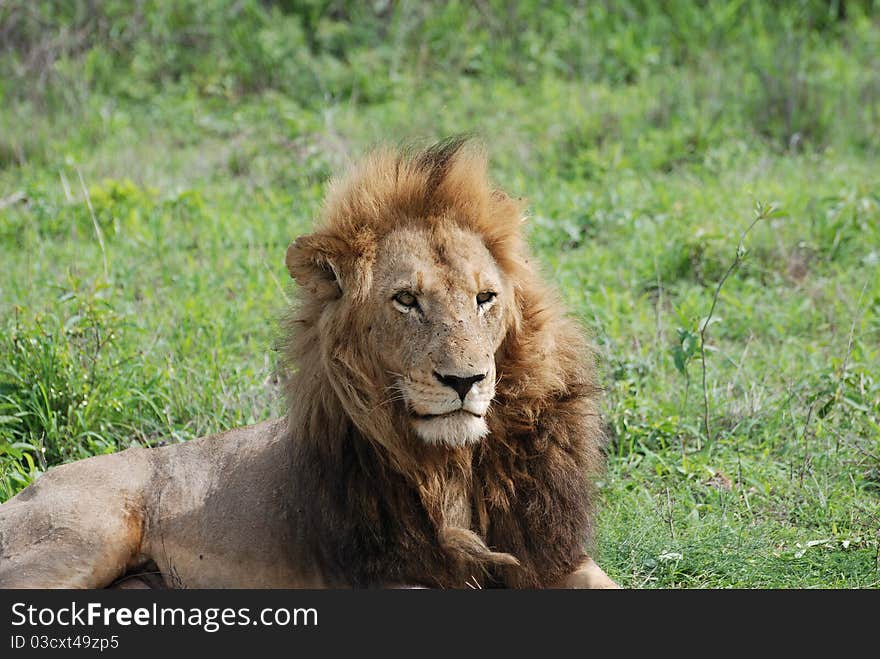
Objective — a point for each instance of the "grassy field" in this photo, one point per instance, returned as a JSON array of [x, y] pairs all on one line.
[[154, 165]]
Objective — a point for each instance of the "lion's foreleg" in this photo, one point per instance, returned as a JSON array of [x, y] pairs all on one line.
[[79, 526], [587, 575]]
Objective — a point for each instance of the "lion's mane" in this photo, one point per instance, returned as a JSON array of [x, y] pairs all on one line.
[[373, 505]]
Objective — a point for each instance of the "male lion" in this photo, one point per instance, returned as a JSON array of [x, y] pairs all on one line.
[[443, 425]]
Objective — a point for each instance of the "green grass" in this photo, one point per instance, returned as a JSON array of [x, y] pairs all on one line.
[[643, 141]]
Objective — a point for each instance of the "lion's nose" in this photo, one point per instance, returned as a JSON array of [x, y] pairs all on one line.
[[461, 385]]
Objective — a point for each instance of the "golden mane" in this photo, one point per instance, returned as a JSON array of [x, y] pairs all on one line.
[[528, 483]]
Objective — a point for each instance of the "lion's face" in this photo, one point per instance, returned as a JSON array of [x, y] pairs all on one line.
[[440, 303], [407, 294]]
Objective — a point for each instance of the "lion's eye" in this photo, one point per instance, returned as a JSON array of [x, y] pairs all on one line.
[[406, 300], [485, 297]]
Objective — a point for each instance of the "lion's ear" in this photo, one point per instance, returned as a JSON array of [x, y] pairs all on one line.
[[312, 261]]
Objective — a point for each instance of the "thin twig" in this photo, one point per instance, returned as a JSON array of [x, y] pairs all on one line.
[[277, 283], [806, 444], [68, 196], [857, 317], [704, 326], [94, 223], [658, 307], [852, 329]]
